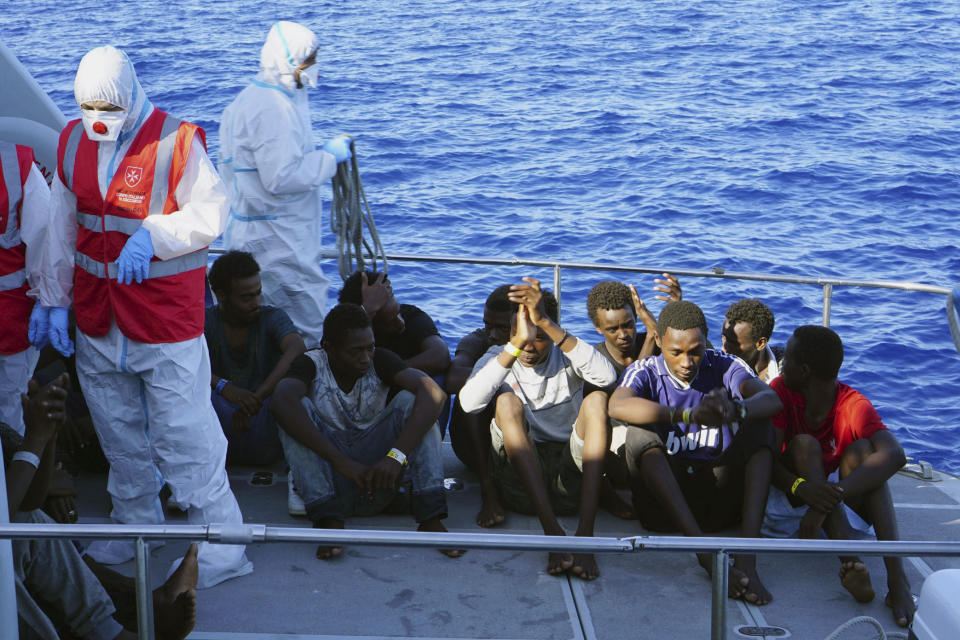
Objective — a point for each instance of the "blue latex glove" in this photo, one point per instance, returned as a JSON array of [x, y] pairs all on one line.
[[39, 327], [134, 259], [59, 334], [339, 147]]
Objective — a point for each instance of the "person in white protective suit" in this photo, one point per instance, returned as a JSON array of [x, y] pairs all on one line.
[[134, 203], [24, 207], [274, 176]]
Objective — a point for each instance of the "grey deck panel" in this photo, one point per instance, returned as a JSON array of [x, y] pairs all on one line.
[[380, 592]]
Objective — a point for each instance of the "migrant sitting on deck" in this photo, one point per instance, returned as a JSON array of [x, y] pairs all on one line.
[[836, 454], [699, 443], [347, 443], [548, 440]]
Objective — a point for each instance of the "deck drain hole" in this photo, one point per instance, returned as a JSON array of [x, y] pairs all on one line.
[[762, 632]]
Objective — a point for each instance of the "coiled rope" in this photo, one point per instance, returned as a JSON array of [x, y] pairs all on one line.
[[349, 215], [878, 632]]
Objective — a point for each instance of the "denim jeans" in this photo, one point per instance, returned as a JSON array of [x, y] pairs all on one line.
[[327, 494], [257, 447]]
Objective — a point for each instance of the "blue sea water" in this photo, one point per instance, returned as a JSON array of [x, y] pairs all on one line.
[[796, 137]]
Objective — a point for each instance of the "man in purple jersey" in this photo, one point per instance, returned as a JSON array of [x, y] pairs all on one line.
[[699, 441]]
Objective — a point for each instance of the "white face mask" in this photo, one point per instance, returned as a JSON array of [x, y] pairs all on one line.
[[103, 126], [308, 76]]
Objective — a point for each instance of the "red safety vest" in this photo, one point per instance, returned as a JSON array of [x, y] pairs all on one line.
[[15, 306], [168, 306]]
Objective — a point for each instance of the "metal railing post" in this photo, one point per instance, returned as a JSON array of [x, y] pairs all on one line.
[[144, 594], [556, 290], [8, 592], [827, 299], [718, 613]]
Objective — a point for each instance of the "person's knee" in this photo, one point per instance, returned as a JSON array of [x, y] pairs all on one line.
[[639, 444], [509, 409], [803, 450], [855, 453]]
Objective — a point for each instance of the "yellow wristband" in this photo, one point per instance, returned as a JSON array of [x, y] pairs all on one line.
[[687, 416], [398, 455], [796, 483], [512, 350]]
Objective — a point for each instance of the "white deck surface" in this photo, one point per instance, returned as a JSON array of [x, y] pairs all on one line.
[[374, 592]]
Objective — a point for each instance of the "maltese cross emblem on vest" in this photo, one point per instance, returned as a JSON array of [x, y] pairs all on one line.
[[132, 176]]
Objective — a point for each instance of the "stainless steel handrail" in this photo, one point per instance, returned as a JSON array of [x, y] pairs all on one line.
[[720, 547]]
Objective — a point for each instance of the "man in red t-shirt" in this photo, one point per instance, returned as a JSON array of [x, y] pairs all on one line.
[[836, 454]]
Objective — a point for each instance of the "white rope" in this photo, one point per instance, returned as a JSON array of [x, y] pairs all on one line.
[[349, 215], [865, 620]]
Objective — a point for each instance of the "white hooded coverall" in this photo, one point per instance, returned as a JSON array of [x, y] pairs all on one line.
[[273, 176], [150, 403]]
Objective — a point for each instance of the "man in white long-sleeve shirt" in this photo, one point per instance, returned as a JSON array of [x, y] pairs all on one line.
[[548, 441], [134, 204]]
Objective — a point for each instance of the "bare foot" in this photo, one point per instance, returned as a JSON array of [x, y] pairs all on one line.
[[175, 603], [558, 563], [755, 592], [434, 524], [585, 566], [324, 552], [855, 578], [737, 581], [612, 502], [901, 601], [491, 511]]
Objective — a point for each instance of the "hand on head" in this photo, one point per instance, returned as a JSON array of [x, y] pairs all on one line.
[[376, 294], [529, 296], [643, 313]]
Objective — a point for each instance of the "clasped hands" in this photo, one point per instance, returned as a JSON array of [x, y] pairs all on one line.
[[385, 475]]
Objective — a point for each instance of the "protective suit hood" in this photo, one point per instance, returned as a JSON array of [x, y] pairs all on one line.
[[106, 73], [288, 44]]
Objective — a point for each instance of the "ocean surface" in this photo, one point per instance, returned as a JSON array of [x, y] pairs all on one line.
[[796, 137]]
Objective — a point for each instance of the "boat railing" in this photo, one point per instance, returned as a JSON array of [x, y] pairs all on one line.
[[719, 547], [826, 283]]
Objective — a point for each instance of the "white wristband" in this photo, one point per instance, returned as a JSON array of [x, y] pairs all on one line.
[[28, 457]]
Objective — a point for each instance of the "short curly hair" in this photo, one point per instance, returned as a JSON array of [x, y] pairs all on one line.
[[498, 301], [681, 315], [608, 294], [820, 348], [754, 313], [232, 265], [342, 319]]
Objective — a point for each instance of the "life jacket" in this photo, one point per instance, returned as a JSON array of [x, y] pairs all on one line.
[[15, 306], [168, 306]]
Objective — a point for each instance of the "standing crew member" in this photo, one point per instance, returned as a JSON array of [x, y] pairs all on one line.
[[273, 175], [24, 206], [135, 201]]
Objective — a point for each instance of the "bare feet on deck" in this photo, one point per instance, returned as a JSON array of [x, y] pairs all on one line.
[[900, 600], [491, 511], [434, 524], [737, 581], [175, 603], [855, 578], [325, 552], [755, 592], [585, 566], [558, 563]]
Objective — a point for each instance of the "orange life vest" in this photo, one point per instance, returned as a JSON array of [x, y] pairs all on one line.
[[15, 306], [168, 306]]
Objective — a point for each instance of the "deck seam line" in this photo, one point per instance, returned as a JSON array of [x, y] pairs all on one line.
[[583, 609], [570, 602], [921, 565]]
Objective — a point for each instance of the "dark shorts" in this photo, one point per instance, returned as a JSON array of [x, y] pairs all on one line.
[[560, 473], [713, 489]]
